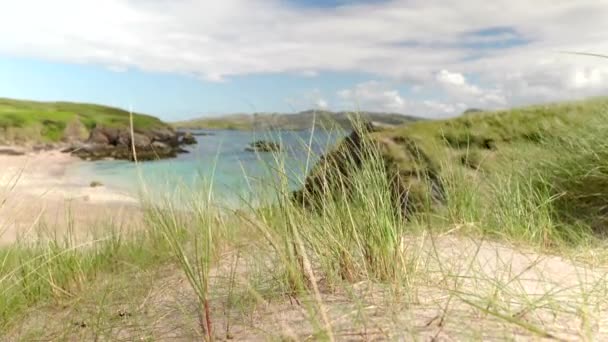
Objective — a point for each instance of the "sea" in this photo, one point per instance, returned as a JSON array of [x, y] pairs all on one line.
[[219, 165]]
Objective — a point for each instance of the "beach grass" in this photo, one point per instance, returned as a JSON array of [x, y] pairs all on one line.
[[515, 248]]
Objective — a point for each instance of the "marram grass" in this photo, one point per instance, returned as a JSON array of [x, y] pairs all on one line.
[[543, 191]]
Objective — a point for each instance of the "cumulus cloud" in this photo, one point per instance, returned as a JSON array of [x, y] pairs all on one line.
[[430, 43], [372, 95], [312, 99], [380, 96], [451, 78], [458, 95], [458, 89], [322, 104]]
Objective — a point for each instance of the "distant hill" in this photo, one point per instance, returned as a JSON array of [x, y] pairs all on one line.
[[297, 121], [88, 131], [26, 122]]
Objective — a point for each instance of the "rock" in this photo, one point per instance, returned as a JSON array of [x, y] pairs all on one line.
[[166, 135], [98, 137], [188, 139], [104, 136], [69, 149], [95, 184], [412, 175], [160, 145], [118, 143], [202, 134], [43, 147], [263, 146], [141, 140], [11, 152], [138, 139]]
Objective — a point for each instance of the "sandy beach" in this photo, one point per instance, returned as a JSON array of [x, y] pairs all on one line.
[[37, 193]]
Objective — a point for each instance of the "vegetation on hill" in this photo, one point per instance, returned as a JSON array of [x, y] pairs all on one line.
[[528, 147], [298, 121], [36, 122]]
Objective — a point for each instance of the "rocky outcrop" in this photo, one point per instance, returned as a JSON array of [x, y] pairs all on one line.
[[264, 146], [202, 134], [10, 151], [119, 143], [188, 139], [412, 176]]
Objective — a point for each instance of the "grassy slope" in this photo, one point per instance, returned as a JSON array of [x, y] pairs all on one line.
[[47, 121], [297, 121], [427, 160], [355, 269]]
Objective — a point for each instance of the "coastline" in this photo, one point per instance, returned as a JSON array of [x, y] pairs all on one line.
[[36, 190]]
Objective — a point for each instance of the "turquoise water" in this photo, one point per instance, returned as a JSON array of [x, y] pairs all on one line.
[[219, 159]]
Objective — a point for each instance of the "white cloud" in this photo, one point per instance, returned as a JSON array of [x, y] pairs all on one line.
[[420, 42], [378, 96], [589, 77], [311, 99], [451, 78], [372, 95], [457, 84], [458, 89], [322, 104]]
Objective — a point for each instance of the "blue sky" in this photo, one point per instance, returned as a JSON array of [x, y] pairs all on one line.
[[188, 58], [165, 94]]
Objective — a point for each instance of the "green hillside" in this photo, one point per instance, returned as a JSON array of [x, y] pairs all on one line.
[[553, 152], [29, 121], [296, 121]]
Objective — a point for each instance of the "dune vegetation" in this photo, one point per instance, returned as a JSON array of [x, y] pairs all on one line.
[[488, 226]]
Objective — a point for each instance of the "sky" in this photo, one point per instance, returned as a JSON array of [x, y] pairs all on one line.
[[180, 59]]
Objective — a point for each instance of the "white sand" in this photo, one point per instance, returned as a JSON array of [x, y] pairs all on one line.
[[36, 189]]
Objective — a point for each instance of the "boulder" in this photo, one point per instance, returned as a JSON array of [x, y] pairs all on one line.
[[99, 136], [202, 134], [138, 139], [166, 135], [263, 146], [117, 143], [95, 184], [188, 139], [160, 145], [412, 175]]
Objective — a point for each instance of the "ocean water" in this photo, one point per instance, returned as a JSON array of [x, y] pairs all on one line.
[[218, 160]]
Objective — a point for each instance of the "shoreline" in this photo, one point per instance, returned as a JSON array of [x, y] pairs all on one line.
[[45, 173], [37, 189]]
